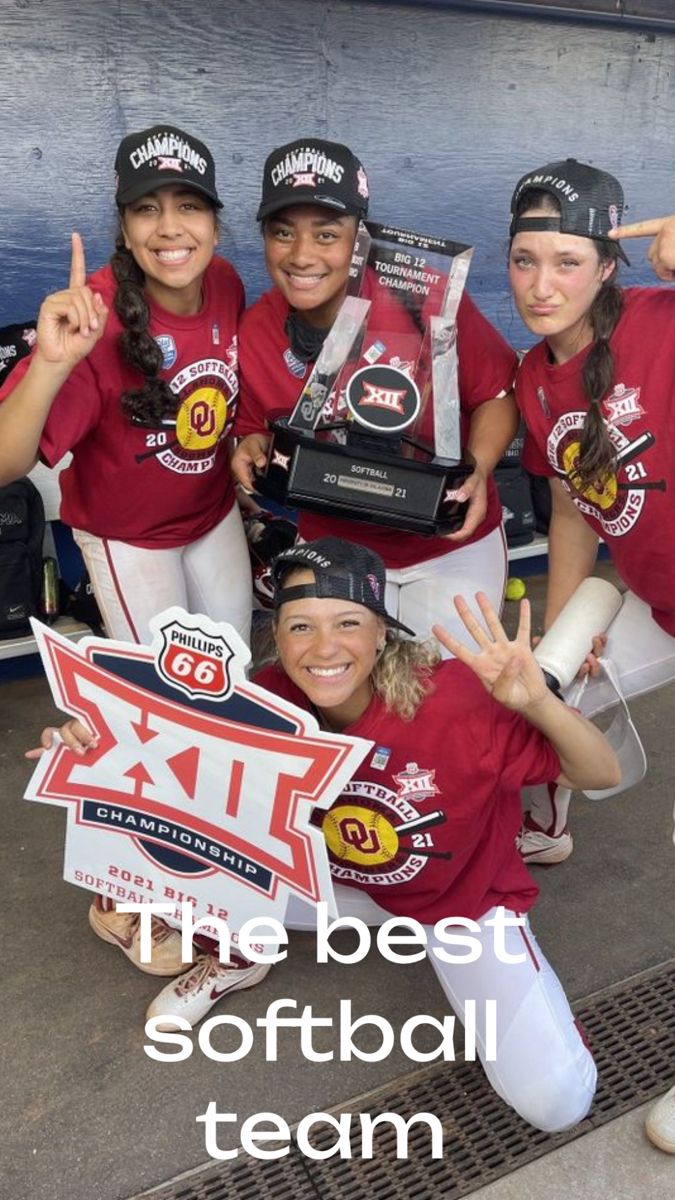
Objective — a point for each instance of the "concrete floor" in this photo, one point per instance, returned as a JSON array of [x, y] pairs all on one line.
[[85, 1115], [615, 1162]]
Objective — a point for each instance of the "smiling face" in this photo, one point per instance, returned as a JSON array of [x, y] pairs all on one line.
[[308, 249], [172, 233], [555, 278], [328, 648]]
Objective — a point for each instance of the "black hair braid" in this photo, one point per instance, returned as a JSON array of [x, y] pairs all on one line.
[[154, 401], [597, 457]]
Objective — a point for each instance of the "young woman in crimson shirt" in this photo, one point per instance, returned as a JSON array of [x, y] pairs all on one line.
[[134, 372], [597, 394], [309, 221], [597, 397]]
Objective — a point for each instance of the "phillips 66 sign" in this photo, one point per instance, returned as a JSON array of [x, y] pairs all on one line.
[[201, 786]]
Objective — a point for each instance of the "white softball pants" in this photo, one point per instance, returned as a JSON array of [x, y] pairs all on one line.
[[211, 575], [543, 1069], [422, 595]]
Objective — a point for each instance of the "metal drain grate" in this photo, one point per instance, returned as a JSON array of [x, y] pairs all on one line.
[[285, 1179], [631, 1029]]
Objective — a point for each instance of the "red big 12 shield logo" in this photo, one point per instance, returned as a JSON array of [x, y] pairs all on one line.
[[195, 662]]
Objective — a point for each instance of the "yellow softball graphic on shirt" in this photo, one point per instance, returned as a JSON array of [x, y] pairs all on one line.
[[201, 418], [376, 836], [602, 492], [357, 834]]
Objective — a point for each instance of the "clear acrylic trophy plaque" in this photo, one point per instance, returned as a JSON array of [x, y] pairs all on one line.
[[375, 434]]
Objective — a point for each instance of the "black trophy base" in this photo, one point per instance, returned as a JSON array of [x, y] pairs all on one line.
[[362, 481]]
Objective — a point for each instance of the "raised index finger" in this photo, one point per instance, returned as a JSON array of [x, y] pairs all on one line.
[[78, 273], [638, 229]]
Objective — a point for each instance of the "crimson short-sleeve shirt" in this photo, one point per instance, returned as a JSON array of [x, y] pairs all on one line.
[[271, 379], [159, 487], [453, 775], [634, 512]]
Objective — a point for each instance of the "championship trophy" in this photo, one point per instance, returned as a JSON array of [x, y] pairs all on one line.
[[375, 433]]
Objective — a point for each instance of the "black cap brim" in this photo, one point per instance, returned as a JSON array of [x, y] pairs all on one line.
[[325, 591], [620, 250], [394, 624], [526, 224], [160, 181], [309, 197]]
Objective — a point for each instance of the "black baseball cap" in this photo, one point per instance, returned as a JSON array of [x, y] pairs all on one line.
[[342, 571], [161, 155], [591, 201], [314, 171]]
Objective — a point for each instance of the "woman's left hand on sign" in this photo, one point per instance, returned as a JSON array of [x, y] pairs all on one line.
[[73, 734]]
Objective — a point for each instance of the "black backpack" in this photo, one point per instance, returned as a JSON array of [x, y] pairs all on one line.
[[513, 485], [22, 531]]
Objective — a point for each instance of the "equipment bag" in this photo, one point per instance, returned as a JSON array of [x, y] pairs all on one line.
[[513, 486], [22, 531], [541, 501]]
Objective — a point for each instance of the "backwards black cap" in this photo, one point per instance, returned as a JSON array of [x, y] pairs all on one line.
[[591, 201], [342, 571]]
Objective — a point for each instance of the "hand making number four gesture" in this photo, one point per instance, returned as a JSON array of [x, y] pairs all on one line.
[[71, 322], [507, 669]]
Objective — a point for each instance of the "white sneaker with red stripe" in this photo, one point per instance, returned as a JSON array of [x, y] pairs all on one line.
[[195, 993], [538, 846], [660, 1123], [124, 931]]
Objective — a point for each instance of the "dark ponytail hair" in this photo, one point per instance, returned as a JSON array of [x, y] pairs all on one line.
[[154, 400], [597, 455]]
